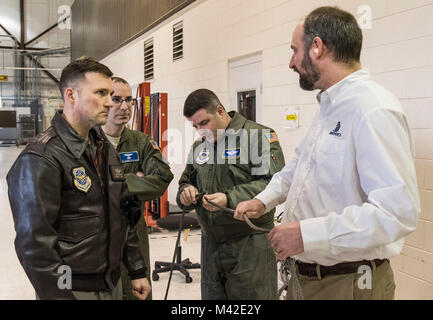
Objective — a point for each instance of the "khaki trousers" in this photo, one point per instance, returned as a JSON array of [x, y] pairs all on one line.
[[378, 284]]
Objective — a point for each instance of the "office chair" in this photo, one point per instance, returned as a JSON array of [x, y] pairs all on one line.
[[179, 222]]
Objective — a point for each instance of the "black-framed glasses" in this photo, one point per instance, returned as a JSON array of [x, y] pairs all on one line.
[[118, 100]]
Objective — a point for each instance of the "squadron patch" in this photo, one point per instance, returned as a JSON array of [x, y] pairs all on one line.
[[81, 180], [203, 157]]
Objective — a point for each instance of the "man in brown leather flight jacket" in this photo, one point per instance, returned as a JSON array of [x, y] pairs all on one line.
[[65, 191]]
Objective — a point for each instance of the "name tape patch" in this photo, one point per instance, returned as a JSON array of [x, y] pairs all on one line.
[[234, 153], [129, 156]]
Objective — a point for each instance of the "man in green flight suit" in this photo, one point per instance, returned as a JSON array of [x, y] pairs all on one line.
[[147, 174], [234, 161]]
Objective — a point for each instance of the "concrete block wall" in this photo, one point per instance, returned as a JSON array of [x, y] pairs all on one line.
[[397, 50]]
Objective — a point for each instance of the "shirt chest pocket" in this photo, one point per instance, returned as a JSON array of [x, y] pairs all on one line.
[[330, 154]]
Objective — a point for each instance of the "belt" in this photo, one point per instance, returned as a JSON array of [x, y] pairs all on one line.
[[316, 270]]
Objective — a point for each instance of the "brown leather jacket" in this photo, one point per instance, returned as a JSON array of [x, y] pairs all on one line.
[[68, 214]]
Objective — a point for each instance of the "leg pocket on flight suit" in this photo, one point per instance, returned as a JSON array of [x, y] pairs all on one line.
[[254, 275]]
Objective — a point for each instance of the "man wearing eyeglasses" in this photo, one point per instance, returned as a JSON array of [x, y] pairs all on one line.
[[147, 173]]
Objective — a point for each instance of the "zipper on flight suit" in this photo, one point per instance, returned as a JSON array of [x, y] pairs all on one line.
[[210, 181]]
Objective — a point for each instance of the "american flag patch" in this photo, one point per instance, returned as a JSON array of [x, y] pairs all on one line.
[[154, 145], [273, 137]]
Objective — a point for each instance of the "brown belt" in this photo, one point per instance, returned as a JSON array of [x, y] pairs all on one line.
[[315, 270]]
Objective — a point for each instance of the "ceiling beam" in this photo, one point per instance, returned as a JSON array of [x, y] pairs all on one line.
[[27, 49], [45, 31], [10, 34], [23, 25], [39, 65]]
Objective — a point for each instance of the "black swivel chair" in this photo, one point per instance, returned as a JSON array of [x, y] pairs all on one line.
[[177, 222]]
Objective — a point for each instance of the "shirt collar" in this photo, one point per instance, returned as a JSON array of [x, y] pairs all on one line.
[[330, 94], [125, 136], [237, 122]]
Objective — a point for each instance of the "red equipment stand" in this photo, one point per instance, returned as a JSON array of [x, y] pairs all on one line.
[[150, 117]]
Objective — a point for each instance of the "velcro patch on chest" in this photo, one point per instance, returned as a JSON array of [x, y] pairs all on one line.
[[81, 180], [117, 173], [129, 156], [234, 153], [203, 157]]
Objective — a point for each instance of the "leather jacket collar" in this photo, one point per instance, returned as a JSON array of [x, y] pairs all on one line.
[[72, 140]]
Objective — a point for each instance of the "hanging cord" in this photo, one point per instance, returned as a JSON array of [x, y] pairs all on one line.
[[288, 266], [175, 254]]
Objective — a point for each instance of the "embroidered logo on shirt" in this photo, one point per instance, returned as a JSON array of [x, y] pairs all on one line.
[[335, 132], [81, 180]]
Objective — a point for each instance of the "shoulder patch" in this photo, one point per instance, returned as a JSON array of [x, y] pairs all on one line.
[[154, 145], [273, 137]]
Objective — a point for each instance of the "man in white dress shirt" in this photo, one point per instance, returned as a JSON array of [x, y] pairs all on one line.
[[350, 192]]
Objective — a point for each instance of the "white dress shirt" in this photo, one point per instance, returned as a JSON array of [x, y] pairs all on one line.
[[352, 183]]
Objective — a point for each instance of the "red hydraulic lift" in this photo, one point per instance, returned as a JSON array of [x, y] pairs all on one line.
[[150, 117]]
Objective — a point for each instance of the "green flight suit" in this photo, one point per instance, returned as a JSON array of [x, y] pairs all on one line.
[[237, 261], [140, 153]]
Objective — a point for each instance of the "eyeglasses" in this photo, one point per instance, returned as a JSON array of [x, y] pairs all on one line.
[[118, 100]]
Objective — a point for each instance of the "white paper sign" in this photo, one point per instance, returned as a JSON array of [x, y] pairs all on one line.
[[291, 118]]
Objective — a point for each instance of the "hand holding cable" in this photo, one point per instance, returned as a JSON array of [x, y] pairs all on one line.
[[231, 211], [255, 209]]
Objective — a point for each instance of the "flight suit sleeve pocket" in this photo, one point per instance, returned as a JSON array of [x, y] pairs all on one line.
[[77, 229]]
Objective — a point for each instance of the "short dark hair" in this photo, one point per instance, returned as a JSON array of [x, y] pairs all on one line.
[[338, 30], [76, 70], [121, 80], [201, 99]]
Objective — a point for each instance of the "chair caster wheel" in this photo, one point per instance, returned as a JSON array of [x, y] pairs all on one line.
[[188, 279], [155, 277]]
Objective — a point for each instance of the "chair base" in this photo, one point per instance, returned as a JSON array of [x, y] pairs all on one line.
[[179, 265]]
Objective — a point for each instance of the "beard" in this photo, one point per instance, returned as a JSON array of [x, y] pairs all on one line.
[[311, 75]]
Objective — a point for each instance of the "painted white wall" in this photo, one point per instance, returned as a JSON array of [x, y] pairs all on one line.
[[397, 50], [246, 74]]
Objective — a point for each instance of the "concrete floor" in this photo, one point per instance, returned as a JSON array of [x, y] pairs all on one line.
[[14, 284]]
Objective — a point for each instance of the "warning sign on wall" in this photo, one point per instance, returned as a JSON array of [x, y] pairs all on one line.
[[292, 118]]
